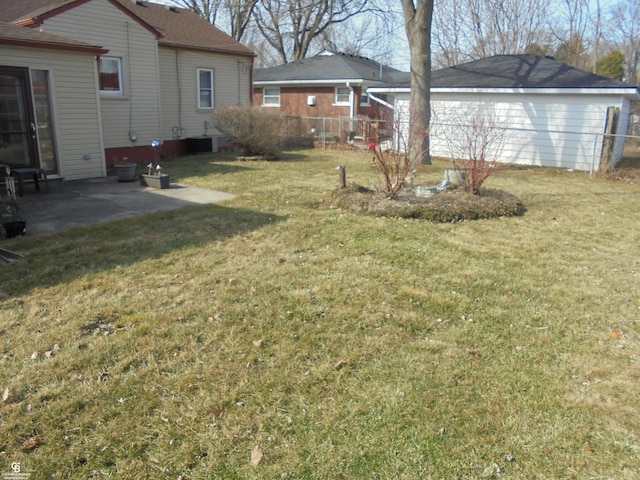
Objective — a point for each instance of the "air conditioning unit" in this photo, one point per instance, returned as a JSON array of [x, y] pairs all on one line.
[[311, 100]]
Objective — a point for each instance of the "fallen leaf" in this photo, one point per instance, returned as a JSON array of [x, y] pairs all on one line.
[[589, 448], [5, 395], [31, 443], [257, 454], [473, 351], [34, 355], [258, 343], [219, 412], [340, 365], [615, 334]]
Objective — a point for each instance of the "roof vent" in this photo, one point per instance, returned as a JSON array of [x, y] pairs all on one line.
[[139, 2], [171, 8]]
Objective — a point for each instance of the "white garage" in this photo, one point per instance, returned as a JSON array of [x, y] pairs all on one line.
[[528, 110]]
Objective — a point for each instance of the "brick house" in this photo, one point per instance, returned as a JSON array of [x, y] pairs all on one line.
[[332, 86]]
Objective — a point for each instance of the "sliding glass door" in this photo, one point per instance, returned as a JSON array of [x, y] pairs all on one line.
[[18, 139]]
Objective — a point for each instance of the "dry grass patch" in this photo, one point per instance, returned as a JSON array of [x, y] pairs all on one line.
[[340, 344]]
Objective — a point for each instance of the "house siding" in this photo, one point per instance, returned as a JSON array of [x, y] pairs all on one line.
[[138, 109], [76, 119], [181, 117], [540, 129]]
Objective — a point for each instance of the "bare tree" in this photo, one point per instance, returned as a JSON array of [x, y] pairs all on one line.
[[239, 15], [373, 38], [570, 26], [233, 16], [626, 23], [292, 26], [473, 29], [448, 34], [207, 9], [418, 15]]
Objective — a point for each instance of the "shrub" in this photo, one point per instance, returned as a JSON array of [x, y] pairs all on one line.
[[394, 162], [255, 129], [475, 143]]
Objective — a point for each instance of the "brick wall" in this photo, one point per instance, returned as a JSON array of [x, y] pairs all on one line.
[[293, 101]]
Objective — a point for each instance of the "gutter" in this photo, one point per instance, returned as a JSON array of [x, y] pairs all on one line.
[[54, 46], [303, 82], [627, 91]]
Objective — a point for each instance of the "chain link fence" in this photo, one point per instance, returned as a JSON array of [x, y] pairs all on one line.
[[578, 150], [523, 146], [335, 129]]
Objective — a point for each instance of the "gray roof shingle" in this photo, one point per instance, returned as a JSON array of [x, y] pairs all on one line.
[[514, 71], [177, 27], [328, 68]]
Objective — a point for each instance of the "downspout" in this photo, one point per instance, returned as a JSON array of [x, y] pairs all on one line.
[[352, 102], [178, 132], [239, 66], [380, 101], [251, 81], [103, 153]]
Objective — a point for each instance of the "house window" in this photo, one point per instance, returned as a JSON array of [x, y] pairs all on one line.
[[342, 96], [364, 99], [205, 88], [271, 97], [110, 69]]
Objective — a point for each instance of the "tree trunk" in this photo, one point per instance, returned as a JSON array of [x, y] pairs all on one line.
[[418, 27]]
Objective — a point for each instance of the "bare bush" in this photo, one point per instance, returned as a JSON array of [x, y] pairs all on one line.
[[255, 129], [475, 145], [394, 164]]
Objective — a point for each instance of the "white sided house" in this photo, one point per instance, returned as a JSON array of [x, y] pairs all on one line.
[[522, 109], [88, 83]]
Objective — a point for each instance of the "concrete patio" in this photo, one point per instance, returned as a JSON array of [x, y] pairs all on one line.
[[84, 202]]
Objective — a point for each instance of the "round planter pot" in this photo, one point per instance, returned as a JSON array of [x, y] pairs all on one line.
[[14, 229], [126, 172]]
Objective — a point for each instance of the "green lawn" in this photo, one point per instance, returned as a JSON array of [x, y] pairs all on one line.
[[171, 346]]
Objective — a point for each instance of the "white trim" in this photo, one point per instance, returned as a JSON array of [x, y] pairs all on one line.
[[200, 87], [111, 93], [534, 91], [270, 105], [303, 82], [336, 94]]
